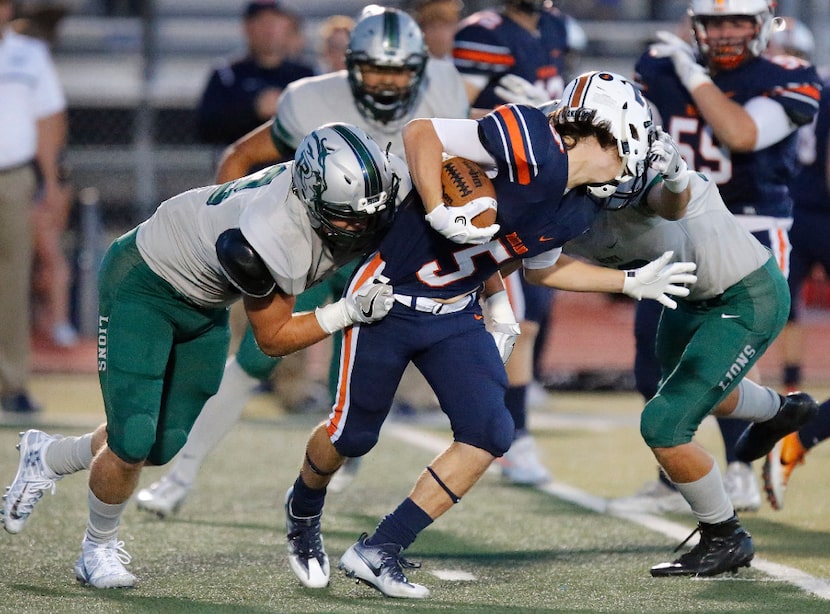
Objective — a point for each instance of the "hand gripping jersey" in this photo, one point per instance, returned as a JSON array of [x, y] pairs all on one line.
[[491, 44], [532, 171], [309, 103], [809, 187], [708, 234], [753, 183], [178, 241]]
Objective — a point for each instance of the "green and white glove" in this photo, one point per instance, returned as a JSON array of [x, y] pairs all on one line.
[[369, 303]]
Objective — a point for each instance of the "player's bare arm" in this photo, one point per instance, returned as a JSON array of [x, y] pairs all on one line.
[[254, 149]]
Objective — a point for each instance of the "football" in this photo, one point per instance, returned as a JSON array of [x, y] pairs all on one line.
[[463, 180]]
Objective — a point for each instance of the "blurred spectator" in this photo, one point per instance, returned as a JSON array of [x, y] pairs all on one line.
[[242, 93], [332, 42], [51, 274], [439, 21], [32, 128]]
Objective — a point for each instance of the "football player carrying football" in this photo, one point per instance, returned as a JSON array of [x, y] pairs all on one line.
[[437, 264], [163, 316], [734, 114], [388, 81]]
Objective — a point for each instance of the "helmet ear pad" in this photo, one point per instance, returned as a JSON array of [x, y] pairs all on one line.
[[347, 184]]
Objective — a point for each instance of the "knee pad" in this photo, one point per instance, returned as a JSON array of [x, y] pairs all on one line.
[[133, 442], [355, 445], [494, 435], [659, 425], [167, 446]]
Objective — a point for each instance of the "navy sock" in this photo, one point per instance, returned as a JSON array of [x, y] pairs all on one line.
[[305, 501], [792, 376], [515, 399], [401, 526]]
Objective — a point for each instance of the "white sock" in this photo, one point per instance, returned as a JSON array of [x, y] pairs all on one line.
[[707, 497], [69, 454], [755, 403], [104, 519], [217, 417]]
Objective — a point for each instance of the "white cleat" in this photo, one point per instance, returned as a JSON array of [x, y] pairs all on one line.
[[32, 480], [521, 464], [654, 498], [381, 567], [163, 497], [741, 485], [102, 565], [306, 554]]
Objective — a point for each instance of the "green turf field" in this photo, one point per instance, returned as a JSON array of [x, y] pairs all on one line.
[[502, 549]]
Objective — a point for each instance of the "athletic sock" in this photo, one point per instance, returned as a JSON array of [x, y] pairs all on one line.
[[707, 497], [306, 502], [401, 526], [104, 519], [516, 400], [69, 454]]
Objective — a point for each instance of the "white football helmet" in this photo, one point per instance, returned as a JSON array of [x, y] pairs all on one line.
[[791, 36], [605, 97], [727, 54], [347, 184], [386, 38]]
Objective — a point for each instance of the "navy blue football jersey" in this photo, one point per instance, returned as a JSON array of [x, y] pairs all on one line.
[[809, 186], [491, 44], [753, 183], [534, 215]]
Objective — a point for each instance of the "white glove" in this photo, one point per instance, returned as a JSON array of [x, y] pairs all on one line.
[[658, 279], [664, 157], [691, 74], [370, 303], [455, 222], [513, 88], [502, 325]]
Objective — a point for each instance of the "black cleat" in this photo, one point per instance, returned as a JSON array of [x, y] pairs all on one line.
[[797, 408], [725, 546]]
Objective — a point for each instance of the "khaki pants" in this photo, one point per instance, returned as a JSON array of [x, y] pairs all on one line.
[[17, 188]]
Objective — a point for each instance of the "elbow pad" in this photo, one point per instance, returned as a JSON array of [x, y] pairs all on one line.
[[243, 267]]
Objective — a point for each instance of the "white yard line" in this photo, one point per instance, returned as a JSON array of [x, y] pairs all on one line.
[[428, 441]]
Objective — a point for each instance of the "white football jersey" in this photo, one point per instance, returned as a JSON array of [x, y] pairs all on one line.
[[708, 235], [179, 241], [307, 104]]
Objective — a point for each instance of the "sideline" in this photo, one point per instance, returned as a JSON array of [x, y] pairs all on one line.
[[434, 443]]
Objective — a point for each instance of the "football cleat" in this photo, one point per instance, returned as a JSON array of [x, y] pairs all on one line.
[[758, 439], [725, 546], [741, 485], [521, 464], [345, 475], [778, 467], [102, 565], [163, 497], [654, 498], [381, 567], [33, 478], [306, 555]]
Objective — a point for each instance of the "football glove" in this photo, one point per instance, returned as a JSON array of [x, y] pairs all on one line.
[[658, 279], [369, 303], [513, 88], [664, 157], [455, 223], [691, 74], [502, 325]]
